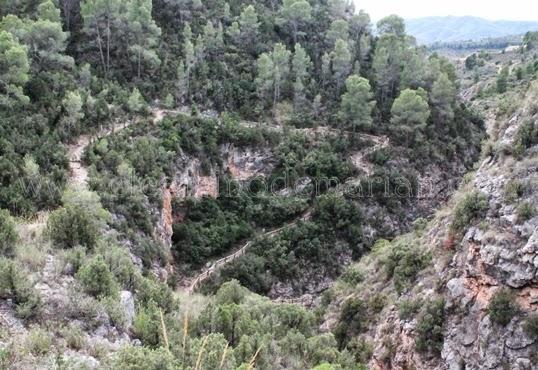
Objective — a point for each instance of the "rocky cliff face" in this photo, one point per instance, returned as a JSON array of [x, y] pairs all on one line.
[[193, 181], [498, 251]]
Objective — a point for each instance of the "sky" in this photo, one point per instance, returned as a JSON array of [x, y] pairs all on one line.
[[489, 9]]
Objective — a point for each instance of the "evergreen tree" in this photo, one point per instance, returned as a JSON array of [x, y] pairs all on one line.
[[295, 13], [339, 31], [393, 25], [14, 68], [341, 63], [410, 113], [301, 65], [72, 104], [273, 70], [144, 34], [249, 26], [442, 97], [387, 69], [357, 104]]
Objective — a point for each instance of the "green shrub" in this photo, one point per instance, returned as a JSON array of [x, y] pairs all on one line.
[[525, 211], [377, 303], [143, 358], [83, 307], [408, 308], [8, 234], [148, 291], [502, 307], [120, 264], [147, 325], [74, 337], [15, 285], [531, 326], [71, 226], [353, 275], [39, 341], [513, 190], [353, 320], [115, 311], [471, 207], [403, 263], [96, 278], [75, 257], [527, 134], [430, 327]]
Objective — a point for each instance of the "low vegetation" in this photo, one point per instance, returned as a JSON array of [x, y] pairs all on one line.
[[502, 307]]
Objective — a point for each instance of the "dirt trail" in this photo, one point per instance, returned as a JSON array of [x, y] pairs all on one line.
[[360, 160], [78, 176], [206, 273]]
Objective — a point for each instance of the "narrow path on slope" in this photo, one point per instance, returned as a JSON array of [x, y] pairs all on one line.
[[78, 173], [207, 272], [360, 160]]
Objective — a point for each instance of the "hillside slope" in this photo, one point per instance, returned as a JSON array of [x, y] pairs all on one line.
[[429, 30], [461, 290]]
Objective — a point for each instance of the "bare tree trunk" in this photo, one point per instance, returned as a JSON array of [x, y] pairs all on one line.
[[108, 45], [139, 57], [100, 43]]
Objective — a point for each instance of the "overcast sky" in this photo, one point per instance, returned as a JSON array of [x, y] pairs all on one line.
[[492, 9]]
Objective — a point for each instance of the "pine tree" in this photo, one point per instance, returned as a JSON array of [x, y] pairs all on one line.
[[301, 65], [273, 70], [410, 113], [357, 104], [72, 104], [102, 22], [341, 63], [189, 58], [249, 25], [144, 34], [386, 66], [14, 68], [392, 25], [502, 81], [442, 97], [339, 30], [295, 13]]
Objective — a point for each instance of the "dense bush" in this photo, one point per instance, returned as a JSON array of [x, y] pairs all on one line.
[[514, 190], [72, 226], [96, 278], [16, 285], [8, 234], [147, 325], [340, 216], [408, 308], [149, 291], [208, 232], [502, 307], [403, 263], [143, 358], [430, 326], [353, 320], [471, 207]]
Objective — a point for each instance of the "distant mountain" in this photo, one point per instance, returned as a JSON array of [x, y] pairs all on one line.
[[429, 30]]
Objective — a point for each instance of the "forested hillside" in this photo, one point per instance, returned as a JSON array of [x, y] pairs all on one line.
[[183, 181], [430, 30]]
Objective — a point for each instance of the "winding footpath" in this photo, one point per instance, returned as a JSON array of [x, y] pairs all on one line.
[[359, 160], [206, 273], [78, 173]]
